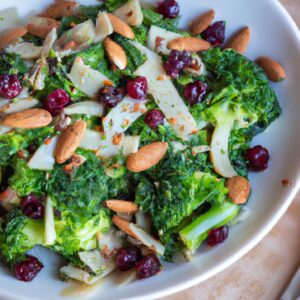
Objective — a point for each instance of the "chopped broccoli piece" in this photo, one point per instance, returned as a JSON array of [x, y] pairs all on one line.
[[112, 5], [141, 33], [11, 63]]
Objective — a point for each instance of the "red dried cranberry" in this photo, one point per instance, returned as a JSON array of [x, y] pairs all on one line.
[[148, 266], [176, 62], [110, 96], [128, 257], [137, 88], [154, 118], [218, 236], [215, 34], [27, 269], [195, 91], [258, 158], [168, 8], [32, 207], [10, 86], [56, 101]]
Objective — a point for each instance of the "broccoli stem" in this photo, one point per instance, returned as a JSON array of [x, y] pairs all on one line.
[[196, 232]]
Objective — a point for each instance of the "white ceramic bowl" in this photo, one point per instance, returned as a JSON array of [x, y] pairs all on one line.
[[273, 34]]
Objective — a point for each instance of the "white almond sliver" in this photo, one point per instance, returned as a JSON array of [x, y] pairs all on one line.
[[165, 94], [91, 108], [43, 158], [85, 78]]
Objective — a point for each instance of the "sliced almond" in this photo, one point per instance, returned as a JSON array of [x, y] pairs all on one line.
[[40, 27], [202, 22], [69, 141], [121, 27], [115, 53], [240, 40], [28, 119], [273, 69], [123, 225], [10, 36], [190, 44], [239, 189], [61, 9], [121, 206], [147, 157]]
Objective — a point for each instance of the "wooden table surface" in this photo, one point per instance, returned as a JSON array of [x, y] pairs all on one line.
[[263, 273]]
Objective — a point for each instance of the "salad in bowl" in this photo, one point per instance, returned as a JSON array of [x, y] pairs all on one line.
[[124, 140]]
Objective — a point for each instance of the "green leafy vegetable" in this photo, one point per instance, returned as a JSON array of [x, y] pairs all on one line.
[[112, 5], [11, 63]]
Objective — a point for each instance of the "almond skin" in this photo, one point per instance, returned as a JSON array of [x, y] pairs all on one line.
[[239, 189], [40, 27], [69, 141], [28, 119], [122, 206], [121, 27], [123, 225], [240, 41], [202, 22], [273, 69], [10, 36], [147, 157], [115, 53], [190, 44], [61, 9]]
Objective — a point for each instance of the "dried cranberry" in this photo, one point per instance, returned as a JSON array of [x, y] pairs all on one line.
[[128, 257], [27, 269], [168, 8], [176, 62], [195, 91], [258, 158], [148, 266], [137, 88], [56, 101], [218, 236], [215, 34], [154, 118], [10, 86], [32, 207], [110, 96]]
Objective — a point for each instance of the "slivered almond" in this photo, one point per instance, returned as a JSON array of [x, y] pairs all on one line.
[[40, 27], [273, 69], [121, 27], [61, 9], [123, 225], [239, 189], [28, 119], [190, 44], [10, 36], [240, 40], [115, 53], [69, 141], [147, 157], [202, 22], [121, 206]]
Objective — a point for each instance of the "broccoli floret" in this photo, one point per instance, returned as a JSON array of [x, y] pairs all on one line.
[[20, 234], [26, 181], [112, 5], [11, 63]]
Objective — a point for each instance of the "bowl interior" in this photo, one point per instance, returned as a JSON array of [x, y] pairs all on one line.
[[272, 34]]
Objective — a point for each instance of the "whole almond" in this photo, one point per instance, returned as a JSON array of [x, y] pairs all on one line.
[[115, 53], [121, 27], [10, 36], [40, 27], [61, 9], [147, 157], [240, 41], [28, 119], [202, 22], [69, 141], [122, 206], [239, 189], [190, 44], [273, 69]]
